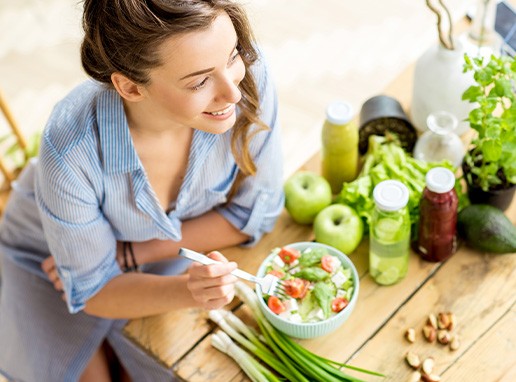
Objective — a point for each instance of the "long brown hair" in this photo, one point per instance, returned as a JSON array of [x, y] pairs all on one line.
[[124, 36]]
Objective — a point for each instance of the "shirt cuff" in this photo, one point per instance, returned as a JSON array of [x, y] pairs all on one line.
[[80, 288]]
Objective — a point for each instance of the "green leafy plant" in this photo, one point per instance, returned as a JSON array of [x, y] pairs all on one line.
[[15, 153], [491, 162]]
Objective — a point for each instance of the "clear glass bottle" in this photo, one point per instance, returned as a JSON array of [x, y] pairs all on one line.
[[482, 40], [440, 141], [389, 236], [339, 145], [437, 239]]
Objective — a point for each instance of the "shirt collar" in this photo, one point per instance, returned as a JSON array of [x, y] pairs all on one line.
[[118, 153]]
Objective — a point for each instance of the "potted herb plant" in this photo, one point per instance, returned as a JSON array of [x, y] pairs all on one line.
[[489, 166]]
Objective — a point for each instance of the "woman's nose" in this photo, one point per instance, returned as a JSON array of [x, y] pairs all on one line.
[[228, 90]]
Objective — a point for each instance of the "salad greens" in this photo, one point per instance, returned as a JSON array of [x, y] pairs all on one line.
[[312, 274], [317, 286], [385, 159]]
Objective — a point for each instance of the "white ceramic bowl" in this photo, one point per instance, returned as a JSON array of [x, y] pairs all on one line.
[[310, 329]]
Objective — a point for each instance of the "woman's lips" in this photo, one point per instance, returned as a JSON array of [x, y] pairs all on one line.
[[222, 114]]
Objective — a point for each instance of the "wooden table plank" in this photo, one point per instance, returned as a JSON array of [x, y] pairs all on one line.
[[171, 344], [492, 357]]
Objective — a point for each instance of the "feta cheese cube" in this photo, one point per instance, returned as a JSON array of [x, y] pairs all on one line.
[[291, 304], [339, 279], [320, 314], [341, 293], [277, 262]]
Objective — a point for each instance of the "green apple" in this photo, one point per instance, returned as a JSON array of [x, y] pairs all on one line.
[[339, 226], [306, 194]]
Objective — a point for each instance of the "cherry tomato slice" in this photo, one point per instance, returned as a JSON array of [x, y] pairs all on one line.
[[296, 288], [338, 304], [289, 255], [276, 305], [275, 272], [329, 263]]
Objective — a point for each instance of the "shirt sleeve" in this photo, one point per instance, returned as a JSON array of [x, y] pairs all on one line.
[[258, 202], [79, 236]]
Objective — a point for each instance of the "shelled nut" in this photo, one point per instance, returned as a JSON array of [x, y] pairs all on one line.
[[410, 335], [443, 320], [429, 333], [413, 360], [443, 336], [428, 366], [432, 320], [430, 378], [415, 377], [454, 343]]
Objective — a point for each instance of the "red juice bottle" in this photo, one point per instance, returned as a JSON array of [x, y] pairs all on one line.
[[437, 238]]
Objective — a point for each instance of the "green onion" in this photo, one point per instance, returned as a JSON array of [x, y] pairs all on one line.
[[253, 344], [255, 371]]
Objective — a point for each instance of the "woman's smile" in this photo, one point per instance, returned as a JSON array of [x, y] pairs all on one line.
[[222, 114]]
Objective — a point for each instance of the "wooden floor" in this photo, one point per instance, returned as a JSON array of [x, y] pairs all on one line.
[[318, 51]]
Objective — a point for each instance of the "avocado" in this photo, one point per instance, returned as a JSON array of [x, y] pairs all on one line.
[[486, 228]]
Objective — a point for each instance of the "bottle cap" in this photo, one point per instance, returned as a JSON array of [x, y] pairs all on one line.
[[339, 112], [390, 195], [440, 180]]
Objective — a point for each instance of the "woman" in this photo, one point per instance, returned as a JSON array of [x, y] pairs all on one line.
[[173, 144]]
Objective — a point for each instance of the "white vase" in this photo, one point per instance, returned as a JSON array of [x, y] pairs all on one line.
[[439, 82]]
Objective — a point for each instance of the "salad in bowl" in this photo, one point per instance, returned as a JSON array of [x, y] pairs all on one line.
[[319, 289]]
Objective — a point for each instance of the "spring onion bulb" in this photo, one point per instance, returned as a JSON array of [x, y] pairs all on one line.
[[256, 372], [253, 344]]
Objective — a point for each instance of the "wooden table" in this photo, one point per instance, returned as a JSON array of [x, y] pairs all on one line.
[[480, 289]]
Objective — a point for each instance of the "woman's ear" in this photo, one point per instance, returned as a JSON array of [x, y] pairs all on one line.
[[127, 88]]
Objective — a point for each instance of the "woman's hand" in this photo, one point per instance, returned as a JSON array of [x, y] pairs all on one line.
[[213, 286], [49, 267]]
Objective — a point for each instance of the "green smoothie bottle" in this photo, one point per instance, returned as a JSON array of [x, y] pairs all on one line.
[[389, 235], [339, 145]]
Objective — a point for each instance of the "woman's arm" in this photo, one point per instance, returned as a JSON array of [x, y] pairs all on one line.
[[134, 295], [204, 233]]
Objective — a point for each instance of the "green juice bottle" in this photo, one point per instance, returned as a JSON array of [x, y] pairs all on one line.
[[339, 145], [389, 235]]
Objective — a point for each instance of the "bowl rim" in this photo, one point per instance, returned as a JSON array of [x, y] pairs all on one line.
[[304, 245]]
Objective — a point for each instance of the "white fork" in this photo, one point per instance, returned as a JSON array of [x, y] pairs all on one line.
[[269, 284]]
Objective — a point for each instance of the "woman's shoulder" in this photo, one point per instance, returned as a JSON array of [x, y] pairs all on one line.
[[74, 116]]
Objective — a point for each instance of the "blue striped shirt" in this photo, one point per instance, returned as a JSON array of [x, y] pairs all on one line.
[[89, 189]]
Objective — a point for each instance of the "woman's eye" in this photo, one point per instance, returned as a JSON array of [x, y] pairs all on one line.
[[234, 57], [200, 85]]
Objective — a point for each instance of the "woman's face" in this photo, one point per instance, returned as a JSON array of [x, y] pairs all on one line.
[[197, 86]]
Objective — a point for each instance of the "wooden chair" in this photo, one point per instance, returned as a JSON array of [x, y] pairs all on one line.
[[9, 171]]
